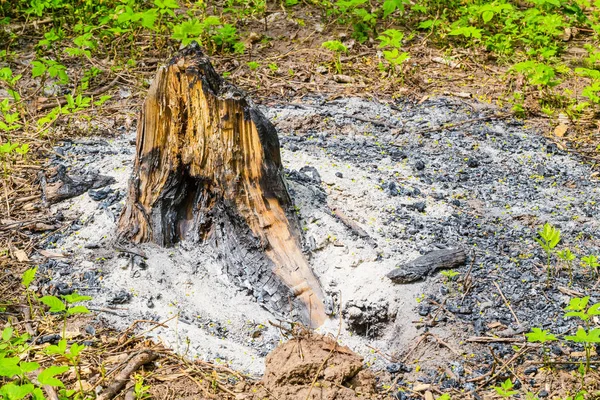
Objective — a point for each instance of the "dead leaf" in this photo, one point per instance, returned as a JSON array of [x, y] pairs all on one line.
[[40, 227], [21, 255], [421, 387], [464, 95], [428, 395], [167, 378], [116, 359], [50, 254], [343, 79], [561, 130], [450, 63]]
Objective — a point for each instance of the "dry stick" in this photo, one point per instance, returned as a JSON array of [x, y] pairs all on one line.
[[468, 281], [387, 357], [504, 365], [461, 123], [373, 121], [206, 393], [334, 347], [440, 341], [6, 196], [489, 339], [423, 336], [507, 303], [121, 379], [50, 392]]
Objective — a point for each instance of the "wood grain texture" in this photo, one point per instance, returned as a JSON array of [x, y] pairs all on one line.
[[427, 264], [208, 168]]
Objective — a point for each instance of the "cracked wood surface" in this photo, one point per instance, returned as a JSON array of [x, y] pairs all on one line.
[[208, 168]]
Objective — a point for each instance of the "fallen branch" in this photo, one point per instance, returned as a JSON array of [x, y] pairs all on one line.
[[375, 122], [489, 339], [507, 303], [354, 227], [452, 125], [142, 358]]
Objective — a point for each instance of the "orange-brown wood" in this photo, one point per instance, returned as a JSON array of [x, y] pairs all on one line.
[[208, 167]]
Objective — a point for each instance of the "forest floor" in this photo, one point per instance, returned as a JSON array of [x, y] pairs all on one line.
[[430, 161]]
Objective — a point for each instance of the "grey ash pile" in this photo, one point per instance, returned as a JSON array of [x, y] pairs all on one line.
[[376, 186], [501, 180]]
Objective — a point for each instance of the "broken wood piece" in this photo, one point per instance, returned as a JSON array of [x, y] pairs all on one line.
[[66, 187], [428, 264], [354, 227], [136, 362], [208, 169]]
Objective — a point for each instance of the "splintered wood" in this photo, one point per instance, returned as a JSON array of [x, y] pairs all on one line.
[[208, 168]]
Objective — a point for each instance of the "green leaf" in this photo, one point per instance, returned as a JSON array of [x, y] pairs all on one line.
[[54, 303], [76, 349], [580, 337], [12, 391], [389, 6], [78, 310], [166, 4], [75, 298], [335, 46], [47, 376], [37, 394], [487, 16], [466, 31], [578, 314], [102, 100], [578, 303], [7, 333], [391, 38], [9, 367], [594, 310], [539, 335], [39, 68], [28, 366], [61, 348], [30, 273]]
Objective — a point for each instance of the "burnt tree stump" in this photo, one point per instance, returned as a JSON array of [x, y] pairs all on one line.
[[208, 168]]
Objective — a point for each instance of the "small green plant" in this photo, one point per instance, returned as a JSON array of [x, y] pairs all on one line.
[[450, 274], [253, 65], [338, 48], [505, 389], [578, 307], [140, 391], [591, 262], [44, 66], [588, 338], [539, 74], [392, 39], [567, 256], [548, 238], [538, 335], [26, 280]]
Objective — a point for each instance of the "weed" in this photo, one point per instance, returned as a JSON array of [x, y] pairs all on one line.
[[567, 256], [338, 48], [591, 262], [548, 238], [505, 389]]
